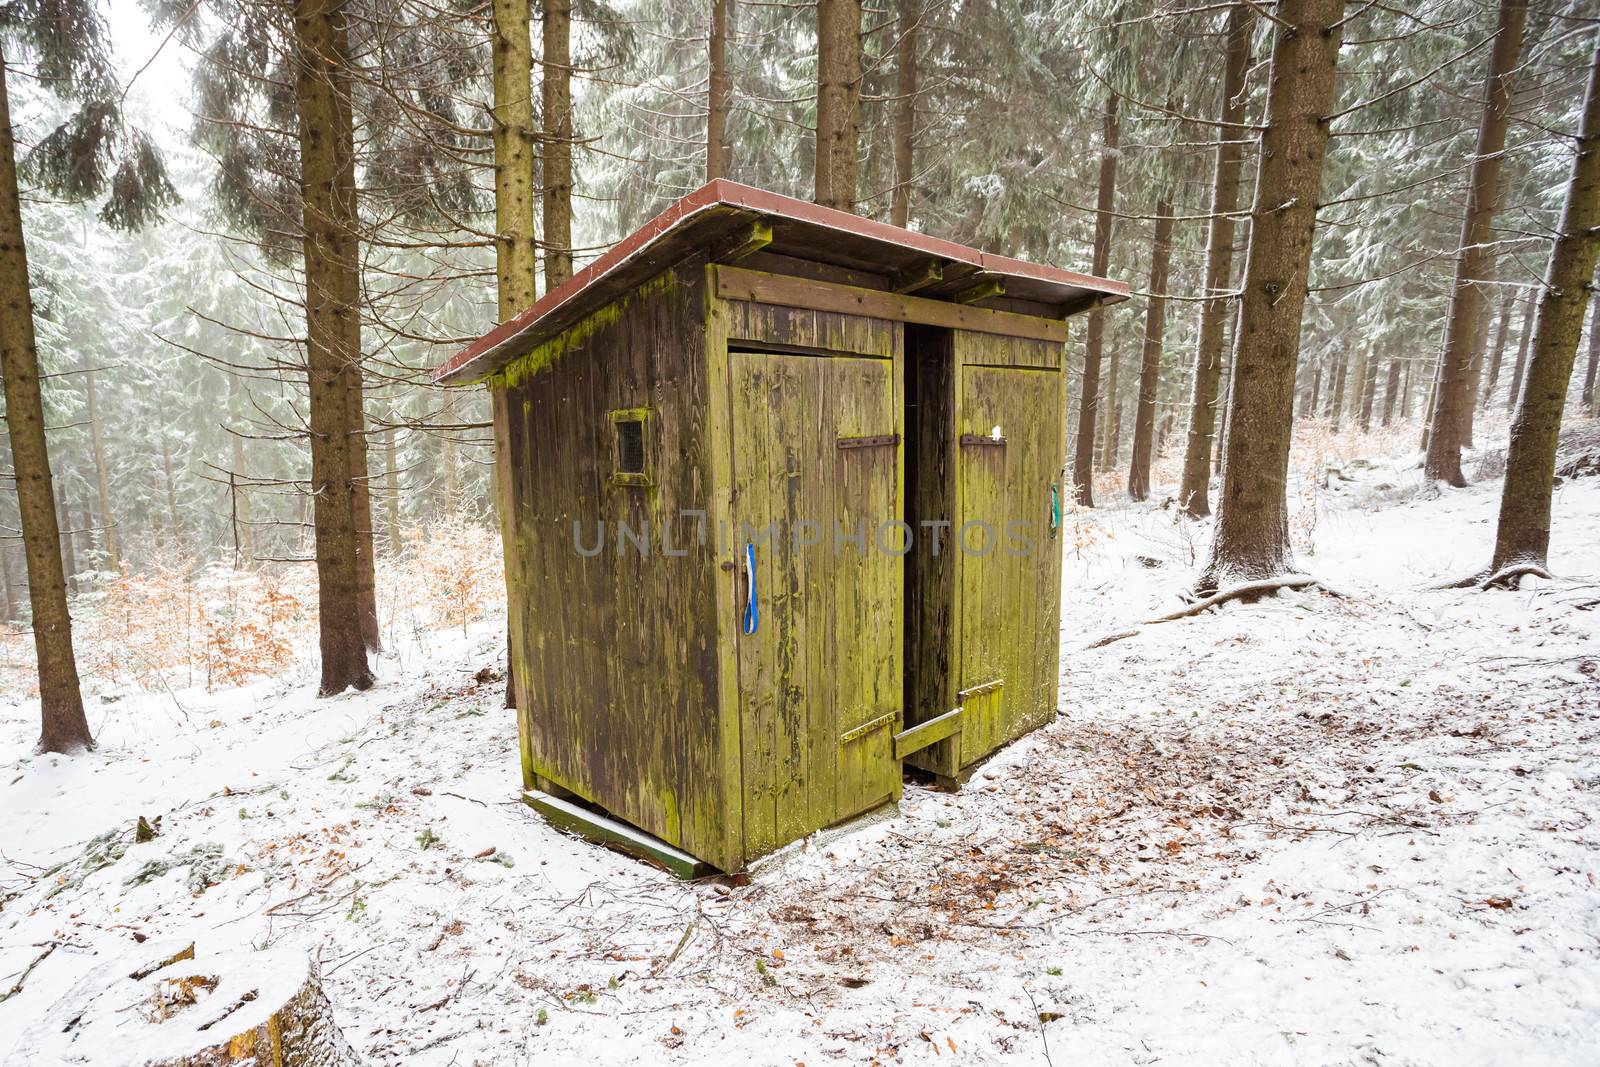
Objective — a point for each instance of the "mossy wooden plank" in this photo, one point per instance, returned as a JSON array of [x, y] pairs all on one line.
[[734, 283], [592, 826]]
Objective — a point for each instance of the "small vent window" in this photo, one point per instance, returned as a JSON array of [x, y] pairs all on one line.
[[630, 447], [628, 430]]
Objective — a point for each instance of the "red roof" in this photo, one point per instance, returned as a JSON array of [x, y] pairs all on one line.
[[800, 229]]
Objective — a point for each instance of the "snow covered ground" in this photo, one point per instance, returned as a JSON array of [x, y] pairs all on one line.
[[1315, 829]]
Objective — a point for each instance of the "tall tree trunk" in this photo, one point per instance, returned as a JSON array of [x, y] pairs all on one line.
[[1252, 533], [1369, 392], [556, 100], [1155, 322], [1309, 409], [63, 727], [333, 333], [1529, 307], [1523, 535], [8, 592], [905, 110], [1194, 495], [1341, 368], [361, 503], [1358, 379], [516, 269], [1497, 357], [838, 102], [69, 554], [1391, 391], [1094, 336], [1594, 358], [102, 477], [1463, 339], [241, 501], [718, 93]]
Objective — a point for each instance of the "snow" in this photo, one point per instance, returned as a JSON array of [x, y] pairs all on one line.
[[1314, 829]]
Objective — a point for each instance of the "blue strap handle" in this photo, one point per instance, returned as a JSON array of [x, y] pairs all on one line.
[[752, 615], [1055, 508]]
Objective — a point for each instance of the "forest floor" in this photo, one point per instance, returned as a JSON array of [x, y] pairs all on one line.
[[1313, 829]]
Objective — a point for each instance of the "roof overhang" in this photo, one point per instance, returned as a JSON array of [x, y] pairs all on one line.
[[720, 216]]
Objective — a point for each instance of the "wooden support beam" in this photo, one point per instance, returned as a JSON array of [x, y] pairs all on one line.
[[604, 830], [918, 276], [745, 241], [736, 283], [981, 290], [928, 733]]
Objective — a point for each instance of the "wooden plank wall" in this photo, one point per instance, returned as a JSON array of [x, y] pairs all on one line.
[[617, 653]]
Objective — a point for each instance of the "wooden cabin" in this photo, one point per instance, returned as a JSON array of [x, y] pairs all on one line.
[[725, 448]]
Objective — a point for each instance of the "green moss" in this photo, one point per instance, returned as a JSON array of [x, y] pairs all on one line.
[[552, 351]]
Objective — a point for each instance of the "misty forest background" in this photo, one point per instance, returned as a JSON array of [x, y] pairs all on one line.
[[160, 191]]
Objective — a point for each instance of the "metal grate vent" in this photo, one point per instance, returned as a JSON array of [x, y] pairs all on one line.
[[630, 446]]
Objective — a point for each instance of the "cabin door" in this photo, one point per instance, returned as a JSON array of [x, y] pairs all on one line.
[[1009, 455], [816, 460]]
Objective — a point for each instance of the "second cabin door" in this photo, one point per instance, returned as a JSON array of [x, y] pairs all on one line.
[[1009, 454], [816, 462]]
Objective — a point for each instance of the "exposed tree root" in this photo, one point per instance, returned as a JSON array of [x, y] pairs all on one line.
[[1508, 577], [1243, 591]]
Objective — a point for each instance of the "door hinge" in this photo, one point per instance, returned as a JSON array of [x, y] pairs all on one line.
[[856, 733]]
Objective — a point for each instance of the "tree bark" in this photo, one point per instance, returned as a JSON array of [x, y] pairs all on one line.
[[1455, 392], [1094, 335], [1587, 399], [1391, 391], [1369, 392], [718, 93], [1523, 534], [556, 100], [1111, 424], [838, 102], [1155, 321], [905, 110], [69, 554], [1529, 306], [1194, 494], [1497, 357], [63, 727], [333, 334], [1252, 534], [1341, 368], [1358, 381], [391, 492], [516, 269]]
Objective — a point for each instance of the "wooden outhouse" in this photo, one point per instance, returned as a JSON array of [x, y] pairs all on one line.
[[727, 448]]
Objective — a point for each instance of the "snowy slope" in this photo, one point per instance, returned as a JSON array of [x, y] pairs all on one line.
[[1311, 830]]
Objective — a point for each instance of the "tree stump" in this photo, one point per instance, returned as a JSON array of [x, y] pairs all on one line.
[[161, 1007]]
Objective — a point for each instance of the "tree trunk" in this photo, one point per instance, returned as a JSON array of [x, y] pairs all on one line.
[[1155, 321], [1358, 380], [69, 554], [1252, 533], [718, 93], [63, 726], [1529, 306], [1523, 536], [905, 110], [361, 503], [515, 258], [556, 100], [1309, 411], [1336, 402], [1094, 336], [1463, 338], [1369, 392], [1391, 391], [241, 500], [333, 333], [8, 592], [1594, 358], [108, 521], [838, 102], [1194, 495], [1497, 358]]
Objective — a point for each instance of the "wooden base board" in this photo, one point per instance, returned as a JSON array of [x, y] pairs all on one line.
[[604, 830]]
